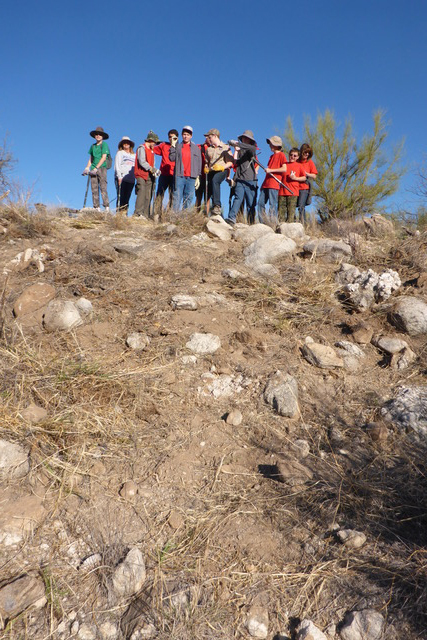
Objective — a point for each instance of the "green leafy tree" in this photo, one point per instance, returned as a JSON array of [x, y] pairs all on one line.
[[354, 177]]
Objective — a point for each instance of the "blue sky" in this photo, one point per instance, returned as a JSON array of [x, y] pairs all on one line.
[[133, 66]]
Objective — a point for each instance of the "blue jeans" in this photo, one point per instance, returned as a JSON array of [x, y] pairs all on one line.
[[214, 186], [271, 196], [244, 190], [184, 191], [302, 201]]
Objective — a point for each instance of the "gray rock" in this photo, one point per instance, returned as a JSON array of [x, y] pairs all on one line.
[[362, 625], [294, 230], [321, 355], [13, 460], [61, 315], [378, 225], [182, 301], [410, 315], [87, 632], [108, 631], [233, 274], [347, 273], [248, 234], [33, 413], [129, 575], [351, 539], [292, 472], [19, 517], [402, 359], [301, 448], [136, 247], [408, 410], [307, 630], [257, 622], [85, 307], [350, 348], [268, 248], [281, 392], [329, 249], [137, 341], [218, 228], [389, 344], [203, 343], [234, 418], [17, 596]]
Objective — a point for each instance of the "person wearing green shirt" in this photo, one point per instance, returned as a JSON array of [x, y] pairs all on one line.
[[97, 167]]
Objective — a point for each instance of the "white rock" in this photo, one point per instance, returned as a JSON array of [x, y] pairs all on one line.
[[129, 575], [233, 274], [257, 622], [410, 315], [13, 460], [91, 562], [367, 287], [281, 392], [350, 348], [137, 341], [189, 359], [408, 410], [182, 301], [61, 315], [84, 306], [200, 238], [221, 386], [108, 631], [351, 539], [203, 343], [307, 630], [363, 625], [217, 227]]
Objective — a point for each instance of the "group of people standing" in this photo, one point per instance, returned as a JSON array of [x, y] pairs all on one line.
[[191, 171]]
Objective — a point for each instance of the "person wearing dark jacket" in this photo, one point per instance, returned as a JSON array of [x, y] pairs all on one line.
[[245, 175], [188, 167]]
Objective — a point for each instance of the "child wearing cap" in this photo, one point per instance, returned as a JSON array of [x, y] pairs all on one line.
[[145, 174], [97, 167], [294, 176], [270, 187]]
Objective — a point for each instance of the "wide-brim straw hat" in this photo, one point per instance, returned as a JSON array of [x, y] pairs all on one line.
[[99, 131], [248, 134], [275, 141], [126, 139]]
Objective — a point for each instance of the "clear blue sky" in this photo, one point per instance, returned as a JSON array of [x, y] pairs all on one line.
[[133, 66]]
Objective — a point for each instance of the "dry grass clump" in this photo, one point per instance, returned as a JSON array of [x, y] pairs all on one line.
[[21, 223]]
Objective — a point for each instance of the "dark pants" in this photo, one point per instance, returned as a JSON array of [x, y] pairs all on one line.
[[124, 193], [201, 190], [215, 178], [99, 183], [144, 192], [164, 184], [302, 201]]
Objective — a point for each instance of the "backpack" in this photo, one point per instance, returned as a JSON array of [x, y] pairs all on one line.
[[109, 161]]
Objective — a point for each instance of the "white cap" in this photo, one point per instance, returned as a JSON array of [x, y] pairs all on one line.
[[188, 128]]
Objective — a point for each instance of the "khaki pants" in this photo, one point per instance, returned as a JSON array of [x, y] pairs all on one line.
[[99, 182], [144, 192]]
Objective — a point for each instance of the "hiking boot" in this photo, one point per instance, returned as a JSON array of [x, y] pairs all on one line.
[[216, 211], [230, 222]]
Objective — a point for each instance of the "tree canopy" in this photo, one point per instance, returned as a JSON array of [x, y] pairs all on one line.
[[354, 177]]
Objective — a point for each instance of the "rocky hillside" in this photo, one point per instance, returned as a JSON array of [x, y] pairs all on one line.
[[211, 432]]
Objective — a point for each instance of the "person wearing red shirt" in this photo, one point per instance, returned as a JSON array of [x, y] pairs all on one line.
[[294, 176], [165, 181], [188, 166], [304, 197], [270, 187]]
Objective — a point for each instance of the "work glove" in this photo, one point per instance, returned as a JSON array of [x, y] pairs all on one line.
[[206, 169], [93, 172], [153, 171], [174, 140], [85, 172], [197, 183], [217, 167]]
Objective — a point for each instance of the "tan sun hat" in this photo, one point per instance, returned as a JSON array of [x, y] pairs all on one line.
[[125, 139], [212, 132], [275, 141]]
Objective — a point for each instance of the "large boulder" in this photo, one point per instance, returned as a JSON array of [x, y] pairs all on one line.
[[268, 248], [249, 233], [218, 228], [294, 230], [409, 314]]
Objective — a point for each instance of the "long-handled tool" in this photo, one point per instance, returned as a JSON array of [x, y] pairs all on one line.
[[87, 189], [276, 179]]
